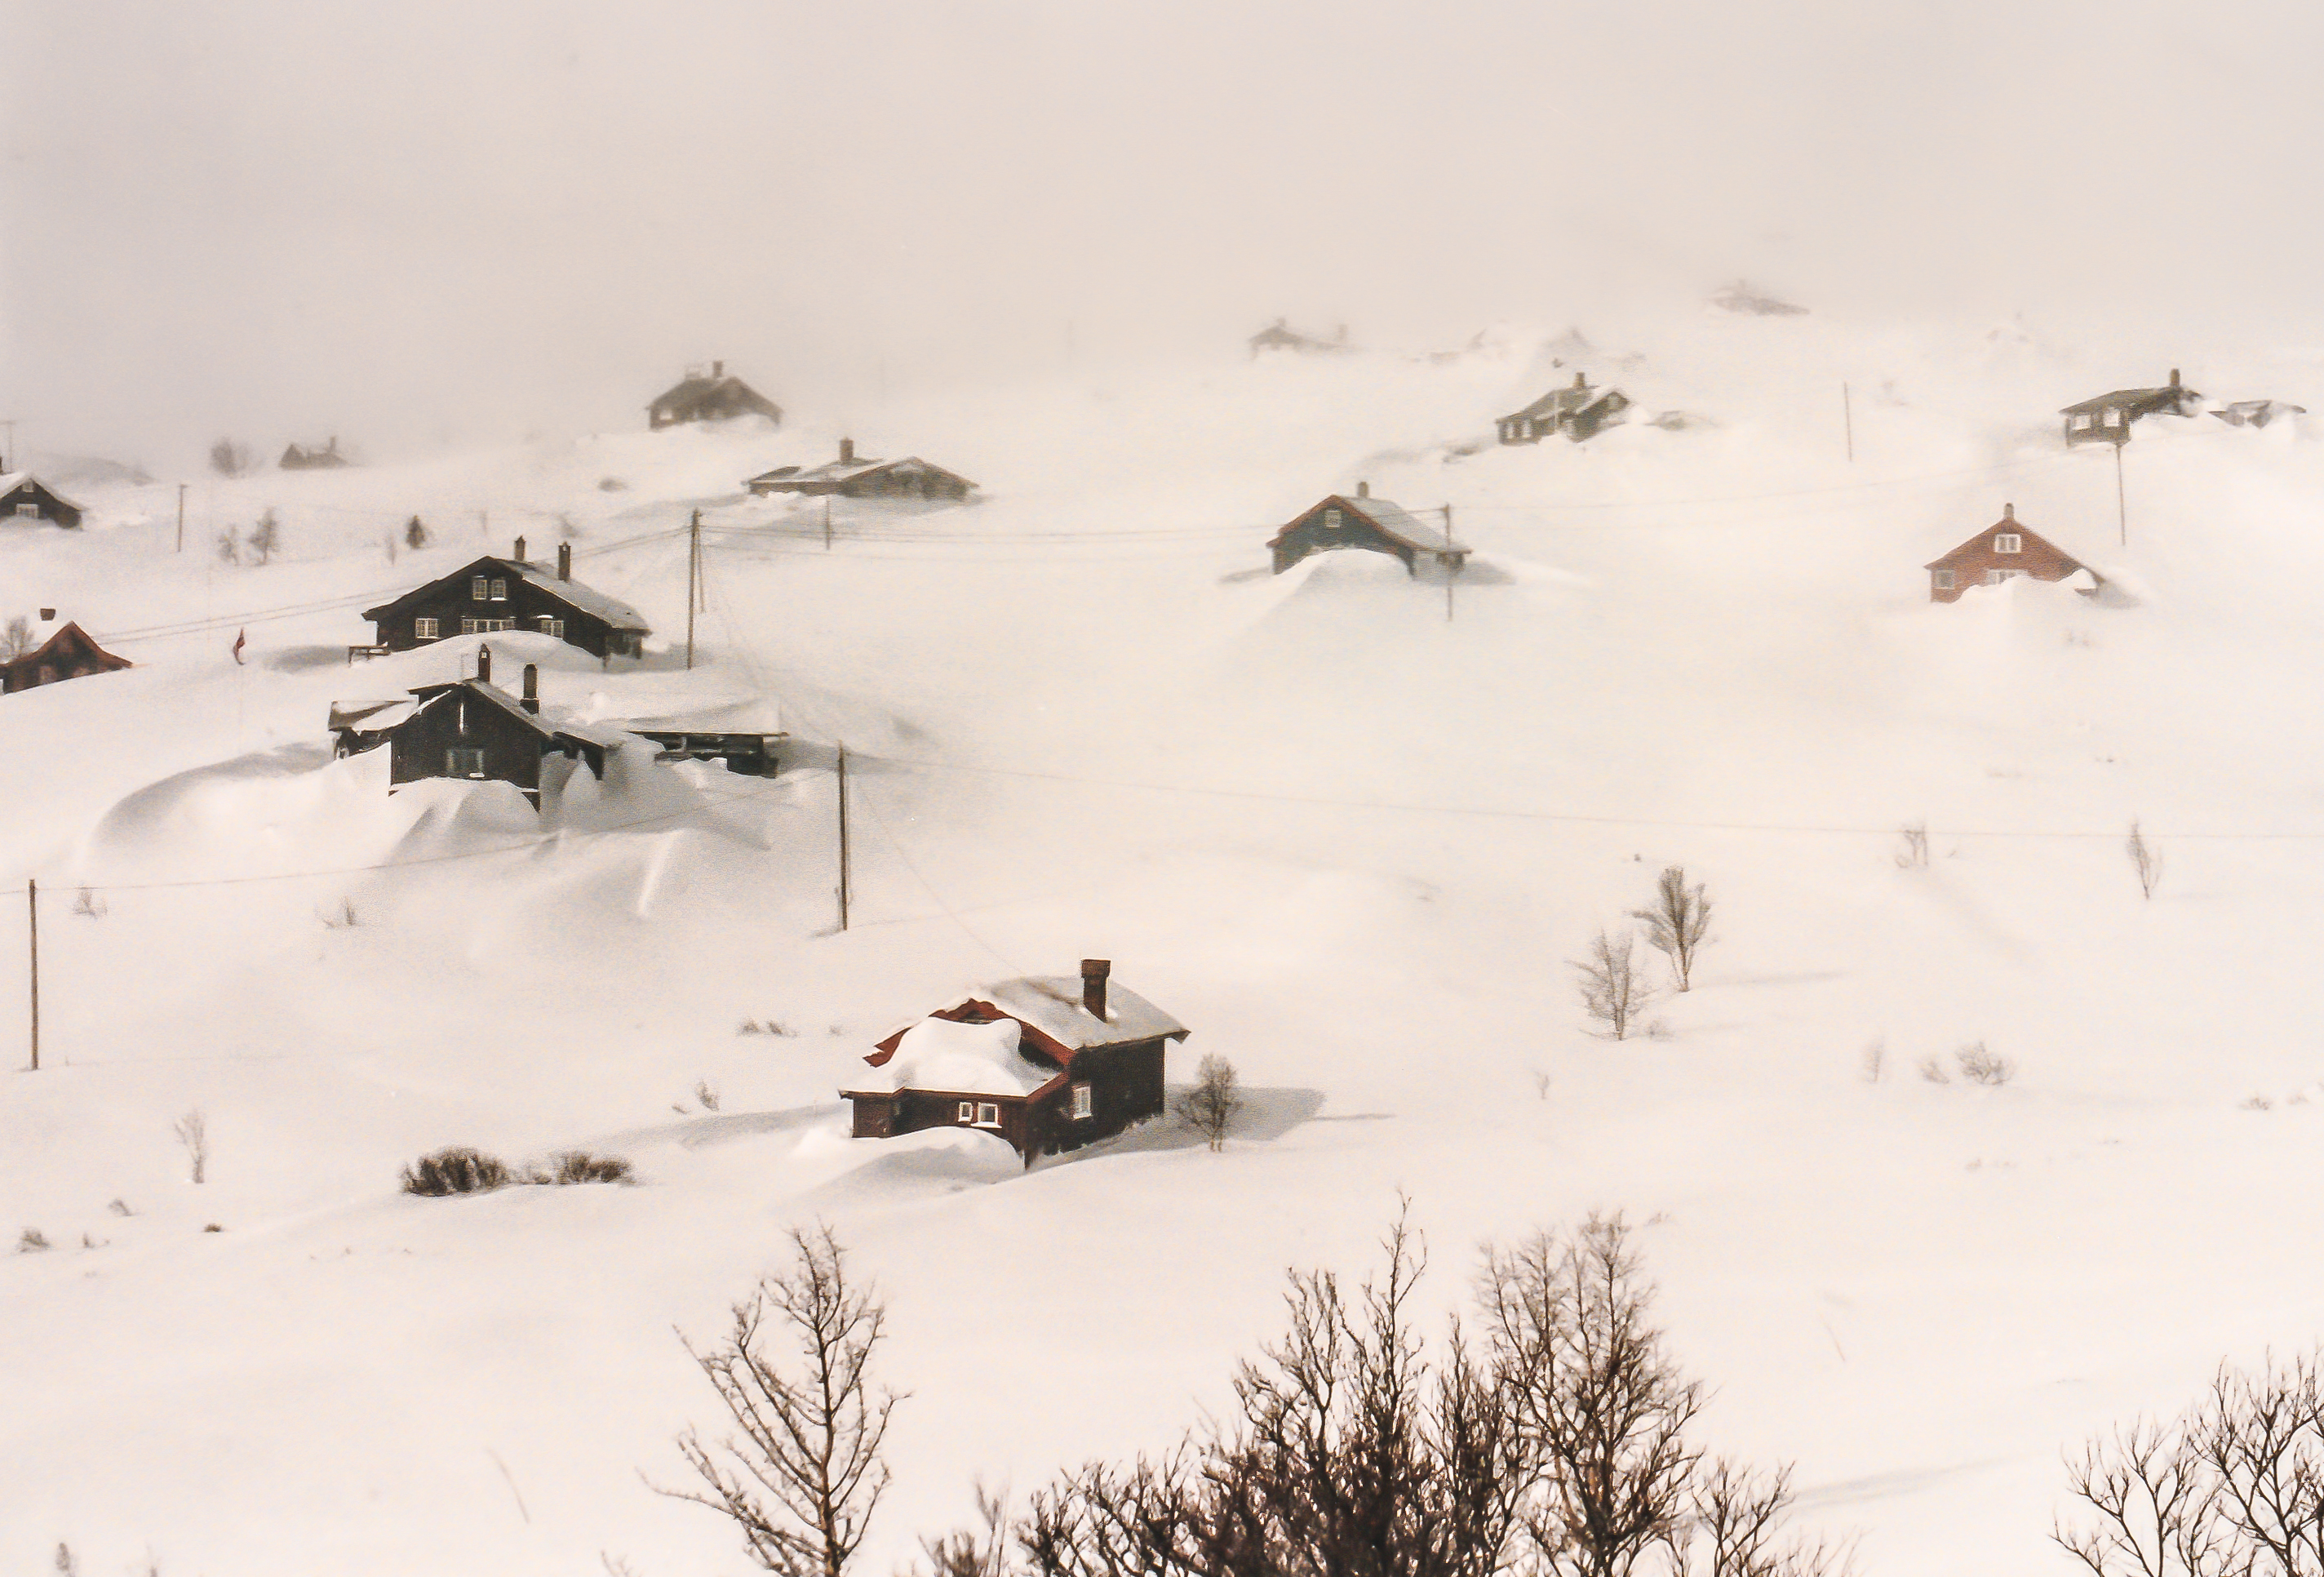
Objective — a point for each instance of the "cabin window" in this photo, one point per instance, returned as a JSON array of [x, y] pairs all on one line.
[[1996, 577], [1331, 520], [2008, 541], [988, 1114], [47, 675], [29, 511], [968, 1111], [1944, 580], [461, 761], [477, 588], [500, 591], [423, 629], [552, 626], [2080, 423], [467, 627], [1081, 1101]]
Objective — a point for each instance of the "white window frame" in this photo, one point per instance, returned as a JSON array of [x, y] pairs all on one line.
[[477, 588], [1944, 580], [452, 765], [467, 627], [2008, 541], [29, 511], [500, 591], [1996, 577], [967, 1112], [988, 1114], [552, 626], [423, 629], [1082, 1108], [1331, 520]]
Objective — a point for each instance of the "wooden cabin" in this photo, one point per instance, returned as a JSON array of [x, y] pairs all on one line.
[[25, 498], [2108, 418], [714, 396], [69, 653], [494, 594], [297, 457], [1044, 1063], [1578, 411], [473, 730], [1280, 336], [1364, 522], [851, 478], [2001, 551]]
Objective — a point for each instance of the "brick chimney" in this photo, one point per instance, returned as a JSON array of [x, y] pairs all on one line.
[[846, 451], [532, 688], [520, 550], [2009, 512], [1579, 382], [484, 663], [717, 369], [2175, 377], [1094, 974], [565, 561], [48, 615], [1363, 489]]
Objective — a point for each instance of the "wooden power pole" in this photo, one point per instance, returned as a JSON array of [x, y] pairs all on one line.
[[181, 518], [33, 902], [843, 893], [1451, 565], [826, 523], [2121, 511], [1848, 421], [693, 579]]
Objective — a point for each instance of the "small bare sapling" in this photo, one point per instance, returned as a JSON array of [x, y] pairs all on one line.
[[1612, 987], [707, 1093], [1980, 1066], [85, 901], [1933, 1070], [31, 1240], [265, 539], [1915, 854], [18, 638], [1211, 1106], [1678, 923], [229, 546], [193, 1132], [2146, 859], [1875, 1062]]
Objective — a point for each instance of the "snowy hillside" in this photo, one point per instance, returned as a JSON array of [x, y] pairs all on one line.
[[1346, 825]]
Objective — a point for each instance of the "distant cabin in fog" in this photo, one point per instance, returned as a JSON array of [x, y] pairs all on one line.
[[1374, 524], [25, 498], [712, 396], [2001, 551], [495, 594], [1280, 336], [297, 459], [851, 478], [69, 652], [1578, 411], [2107, 419], [1740, 297], [1044, 1063]]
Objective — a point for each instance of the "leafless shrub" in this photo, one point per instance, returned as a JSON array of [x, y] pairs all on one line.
[[18, 638], [120, 1208], [31, 1240], [1541, 1082], [2145, 859], [576, 1166], [229, 459], [707, 1093], [1678, 922], [806, 1474], [611, 485], [772, 1026], [1875, 1062], [1613, 990], [193, 1131], [415, 534], [64, 1560], [1980, 1066], [229, 546], [1211, 1106], [1933, 1070], [88, 1240], [86, 903], [2228, 1488], [266, 538], [1915, 854], [344, 918], [457, 1170], [2259, 1103]]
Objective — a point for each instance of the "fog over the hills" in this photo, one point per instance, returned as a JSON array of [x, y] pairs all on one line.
[[445, 221]]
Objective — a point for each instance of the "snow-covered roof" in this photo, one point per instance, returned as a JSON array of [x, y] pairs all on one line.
[[12, 480], [784, 478], [487, 692], [371, 717], [2172, 395], [587, 599], [1052, 1004], [693, 391], [1396, 521], [750, 715], [974, 1059], [609, 736]]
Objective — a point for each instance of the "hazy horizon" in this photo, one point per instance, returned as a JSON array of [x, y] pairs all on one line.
[[441, 224]]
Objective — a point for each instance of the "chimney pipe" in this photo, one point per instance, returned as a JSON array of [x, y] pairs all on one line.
[[520, 550], [47, 614], [2009, 512], [1578, 382], [532, 688], [2175, 377], [717, 369], [1094, 974], [1363, 489], [484, 663], [846, 451], [565, 561]]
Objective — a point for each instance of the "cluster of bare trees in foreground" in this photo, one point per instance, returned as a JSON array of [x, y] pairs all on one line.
[[1549, 1437]]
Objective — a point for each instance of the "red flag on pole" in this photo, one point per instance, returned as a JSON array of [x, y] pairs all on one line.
[[241, 639]]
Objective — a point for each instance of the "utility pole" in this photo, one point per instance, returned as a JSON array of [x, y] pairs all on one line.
[[32, 900], [181, 518], [843, 893], [826, 523], [1848, 421], [2121, 511], [11, 447], [693, 569], [1451, 565]]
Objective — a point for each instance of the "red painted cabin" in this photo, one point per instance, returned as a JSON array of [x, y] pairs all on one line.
[[2002, 550]]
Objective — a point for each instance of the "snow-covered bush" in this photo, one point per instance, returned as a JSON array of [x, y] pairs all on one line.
[[31, 1240], [1980, 1066], [580, 1166], [458, 1170]]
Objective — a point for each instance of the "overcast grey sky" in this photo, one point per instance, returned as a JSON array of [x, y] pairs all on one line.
[[469, 217]]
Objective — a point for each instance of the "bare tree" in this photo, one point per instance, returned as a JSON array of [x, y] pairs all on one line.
[[415, 535], [2146, 859], [1915, 854], [229, 546], [1211, 1106], [17, 639], [1679, 922], [229, 459], [1980, 1065], [806, 1473], [1613, 990], [979, 1551], [1734, 1521], [193, 1131], [266, 538]]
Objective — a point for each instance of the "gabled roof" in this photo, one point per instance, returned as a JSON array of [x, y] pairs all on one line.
[[693, 392], [1392, 521], [582, 598], [843, 471], [1574, 397], [12, 480], [69, 635], [486, 691], [1049, 1007], [368, 716], [1975, 544], [2172, 395], [964, 1058]]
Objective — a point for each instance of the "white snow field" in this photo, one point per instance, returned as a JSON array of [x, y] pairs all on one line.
[[1350, 843]]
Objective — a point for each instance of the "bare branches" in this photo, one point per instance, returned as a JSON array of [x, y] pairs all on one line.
[[2146, 859], [1614, 992], [193, 1131], [1678, 923], [1211, 1106], [806, 1473]]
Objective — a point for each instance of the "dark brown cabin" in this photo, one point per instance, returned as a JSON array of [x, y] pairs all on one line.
[[850, 477], [709, 397], [1578, 412], [1364, 522], [2108, 418], [298, 458], [2001, 551], [471, 729], [1086, 1062], [495, 594], [25, 498], [69, 654]]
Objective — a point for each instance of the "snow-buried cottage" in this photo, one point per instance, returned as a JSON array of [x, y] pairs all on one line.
[[1578, 412], [494, 594], [470, 730], [1363, 521], [25, 498], [2000, 552], [2106, 418], [716, 396], [1045, 1063], [70, 653]]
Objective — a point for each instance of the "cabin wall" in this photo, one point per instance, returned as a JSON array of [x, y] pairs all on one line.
[[1307, 535], [511, 750], [50, 508], [526, 603], [1125, 1088]]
